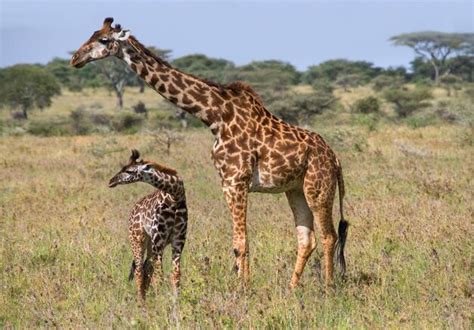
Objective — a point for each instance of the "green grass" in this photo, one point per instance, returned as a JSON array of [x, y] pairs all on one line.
[[65, 256]]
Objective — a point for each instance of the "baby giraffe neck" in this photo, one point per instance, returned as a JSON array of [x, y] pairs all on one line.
[[170, 184]]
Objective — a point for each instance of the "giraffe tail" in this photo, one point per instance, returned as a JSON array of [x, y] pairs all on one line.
[[132, 271], [343, 224]]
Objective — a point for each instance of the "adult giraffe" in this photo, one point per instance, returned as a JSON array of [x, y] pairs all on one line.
[[254, 151]]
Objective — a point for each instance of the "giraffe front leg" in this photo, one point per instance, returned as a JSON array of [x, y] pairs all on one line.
[[236, 197]]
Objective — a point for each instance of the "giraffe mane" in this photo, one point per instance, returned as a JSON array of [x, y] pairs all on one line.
[[236, 87], [162, 168]]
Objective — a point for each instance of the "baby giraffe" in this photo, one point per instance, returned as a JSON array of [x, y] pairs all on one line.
[[157, 220]]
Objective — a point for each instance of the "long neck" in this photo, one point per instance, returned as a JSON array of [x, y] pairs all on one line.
[[191, 94], [170, 184]]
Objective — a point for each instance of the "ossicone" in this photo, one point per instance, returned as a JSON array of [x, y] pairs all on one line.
[[108, 22], [135, 155]]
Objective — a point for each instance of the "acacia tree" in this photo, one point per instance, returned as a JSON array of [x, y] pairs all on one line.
[[116, 74], [26, 86], [436, 47]]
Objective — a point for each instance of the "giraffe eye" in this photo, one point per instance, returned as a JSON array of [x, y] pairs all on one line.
[[129, 172], [104, 40]]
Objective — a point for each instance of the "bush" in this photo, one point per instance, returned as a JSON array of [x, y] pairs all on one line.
[[382, 82], [408, 101], [369, 104], [299, 108], [127, 122], [80, 122], [48, 128], [140, 108]]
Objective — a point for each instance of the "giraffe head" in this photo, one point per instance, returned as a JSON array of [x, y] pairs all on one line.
[[103, 43], [139, 170]]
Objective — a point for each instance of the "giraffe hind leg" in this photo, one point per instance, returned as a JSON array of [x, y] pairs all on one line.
[[320, 198], [304, 231]]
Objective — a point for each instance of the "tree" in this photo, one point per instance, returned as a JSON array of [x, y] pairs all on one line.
[[436, 47], [333, 69], [25, 86], [384, 81], [205, 67], [117, 75], [75, 80], [270, 74], [408, 101], [299, 108]]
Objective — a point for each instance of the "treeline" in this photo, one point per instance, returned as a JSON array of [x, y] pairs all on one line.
[[441, 59]]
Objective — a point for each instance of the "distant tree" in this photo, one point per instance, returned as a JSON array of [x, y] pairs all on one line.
[[299, 108], [205, 67], [451, 82], [333, 69], [351, 80], [273, 74], [436, 47], [369, 104], [26, 86], [116, 76], [72, 79], [408, 101], [384, 81], [462, 67]]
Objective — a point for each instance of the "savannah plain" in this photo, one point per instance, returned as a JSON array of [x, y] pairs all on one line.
[[65, 253]]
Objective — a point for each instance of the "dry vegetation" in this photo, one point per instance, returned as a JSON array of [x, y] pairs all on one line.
[[65, 256]]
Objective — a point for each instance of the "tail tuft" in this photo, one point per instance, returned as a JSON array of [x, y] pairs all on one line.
[[132, 271], [341, 243]]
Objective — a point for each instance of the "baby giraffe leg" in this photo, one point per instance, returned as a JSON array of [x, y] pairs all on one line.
[[137, 241], [157, 252], [304, 231], [176, 274]]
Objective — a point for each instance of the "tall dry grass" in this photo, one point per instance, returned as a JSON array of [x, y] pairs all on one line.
[[65, 256]]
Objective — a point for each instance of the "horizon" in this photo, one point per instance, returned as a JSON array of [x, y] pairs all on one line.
[[301, 33]]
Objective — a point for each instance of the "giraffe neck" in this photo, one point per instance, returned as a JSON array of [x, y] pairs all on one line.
[[191, 94], [170, 184]]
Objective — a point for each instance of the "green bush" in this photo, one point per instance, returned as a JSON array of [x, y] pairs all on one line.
[[127, 122], [408, 101], [369, 104], [48, 128], [140, 108], [382, 82]]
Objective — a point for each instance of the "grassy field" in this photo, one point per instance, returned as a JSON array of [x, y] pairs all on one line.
[[65, 256]]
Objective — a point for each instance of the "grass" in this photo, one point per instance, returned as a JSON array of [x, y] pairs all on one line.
[[65, 255]]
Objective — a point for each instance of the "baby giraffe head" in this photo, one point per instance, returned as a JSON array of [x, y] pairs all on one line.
[[140, 170]]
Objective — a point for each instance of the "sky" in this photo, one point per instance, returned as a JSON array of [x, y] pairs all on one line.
[[302, 33]]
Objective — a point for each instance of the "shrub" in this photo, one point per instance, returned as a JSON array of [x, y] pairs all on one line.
[[408, 101], [369, 104], [382, 82], [47, 128], [299, 108], [140, 108], [127, 122], [80, 123]]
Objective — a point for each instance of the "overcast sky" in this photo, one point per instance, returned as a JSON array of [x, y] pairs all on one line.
[[300, 32]]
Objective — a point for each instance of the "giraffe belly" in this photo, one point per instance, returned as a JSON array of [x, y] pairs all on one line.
[[265, 182]]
